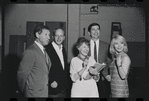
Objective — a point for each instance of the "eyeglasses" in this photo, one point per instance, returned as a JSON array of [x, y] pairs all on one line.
[[59, 35]]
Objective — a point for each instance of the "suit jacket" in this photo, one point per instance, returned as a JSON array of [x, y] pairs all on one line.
[[57, 73], [103, 56], [33, 73]]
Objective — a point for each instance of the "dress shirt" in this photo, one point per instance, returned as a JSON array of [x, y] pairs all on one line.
[[92, 48], [59, 52], [40, 46]]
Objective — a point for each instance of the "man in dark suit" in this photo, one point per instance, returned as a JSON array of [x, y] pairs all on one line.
[[34, 68], [58, 76], [99, 51]]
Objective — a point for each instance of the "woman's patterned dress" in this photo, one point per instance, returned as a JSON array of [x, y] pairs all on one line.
[[119, 87]]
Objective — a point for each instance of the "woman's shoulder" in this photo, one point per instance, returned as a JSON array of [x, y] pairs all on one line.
[[91, 59], [75, 59], [125, 56]]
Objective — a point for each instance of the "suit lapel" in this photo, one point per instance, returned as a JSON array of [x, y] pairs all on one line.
[[58, 57], [39, 51], [49, 62], [64, 57], [89, 54], [100, 49], [42, 55]]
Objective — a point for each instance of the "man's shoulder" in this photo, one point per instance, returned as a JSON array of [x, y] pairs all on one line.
[[29, 47], [103, 42], [29, 50], [49, 46]]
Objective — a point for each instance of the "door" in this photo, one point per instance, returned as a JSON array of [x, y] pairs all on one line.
[[16, 45]]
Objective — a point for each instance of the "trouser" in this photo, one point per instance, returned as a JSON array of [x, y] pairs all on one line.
[[104, 88], [59, 95]]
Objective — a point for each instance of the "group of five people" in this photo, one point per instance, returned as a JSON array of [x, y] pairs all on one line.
[[44, 71]]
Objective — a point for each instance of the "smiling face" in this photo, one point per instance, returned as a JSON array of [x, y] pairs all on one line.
[[119, 46], [44, 37], [59, 36], [83, 49], [94, 32]]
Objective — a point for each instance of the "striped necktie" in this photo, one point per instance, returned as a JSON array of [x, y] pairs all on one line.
[[95, 52]]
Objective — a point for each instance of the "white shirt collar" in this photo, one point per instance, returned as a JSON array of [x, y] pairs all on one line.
[[56, 46], [95, 41], [40, 46], [92, 47], [59, 52]]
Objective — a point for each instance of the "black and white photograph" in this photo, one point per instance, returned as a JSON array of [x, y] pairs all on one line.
[[74, 51], [0, 45]]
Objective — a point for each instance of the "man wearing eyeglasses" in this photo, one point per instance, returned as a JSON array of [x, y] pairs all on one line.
[[58, 76]]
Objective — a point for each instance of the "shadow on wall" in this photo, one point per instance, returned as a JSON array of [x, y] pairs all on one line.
[[9, 74]]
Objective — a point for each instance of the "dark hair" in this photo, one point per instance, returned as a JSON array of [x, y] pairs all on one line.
[[82, 40], [39, 29], [56, 30], [93, 24]]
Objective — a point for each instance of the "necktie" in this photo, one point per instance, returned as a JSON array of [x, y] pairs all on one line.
[[46, 56], [95, 52]]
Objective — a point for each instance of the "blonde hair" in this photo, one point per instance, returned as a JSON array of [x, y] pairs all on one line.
[[121, 38]]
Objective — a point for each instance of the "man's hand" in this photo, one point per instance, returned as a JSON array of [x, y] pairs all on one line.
[[96, 77], [108, 77], [54, 84]]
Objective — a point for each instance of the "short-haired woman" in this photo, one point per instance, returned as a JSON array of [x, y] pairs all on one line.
[[84, 85]]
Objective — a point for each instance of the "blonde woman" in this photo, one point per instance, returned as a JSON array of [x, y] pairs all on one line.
[[119, 68]]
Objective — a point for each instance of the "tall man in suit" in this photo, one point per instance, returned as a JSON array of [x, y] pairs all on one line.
[[99, 51], [58, 76], [34, 68]]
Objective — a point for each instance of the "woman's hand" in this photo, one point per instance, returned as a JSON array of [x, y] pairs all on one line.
[[93, 71], [119, 61], [54, 84]]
